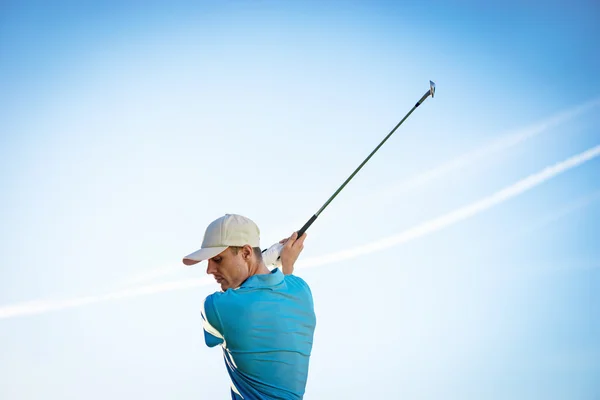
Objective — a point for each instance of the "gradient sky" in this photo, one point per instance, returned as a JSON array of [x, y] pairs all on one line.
[[127, 127]]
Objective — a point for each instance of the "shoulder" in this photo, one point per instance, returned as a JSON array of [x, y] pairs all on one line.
[[296, 279], [220, 299], [225, 303], [299, 283]]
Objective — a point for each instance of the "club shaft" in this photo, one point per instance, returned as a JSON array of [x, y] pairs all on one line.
[[314, 217]]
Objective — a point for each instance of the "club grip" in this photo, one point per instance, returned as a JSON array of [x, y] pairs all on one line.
[[271, 255], [306, 225]]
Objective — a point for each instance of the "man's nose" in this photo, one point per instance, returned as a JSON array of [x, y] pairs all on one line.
[[211, 269]]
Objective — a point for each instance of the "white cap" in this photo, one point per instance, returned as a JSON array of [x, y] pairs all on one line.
[[229, 230]]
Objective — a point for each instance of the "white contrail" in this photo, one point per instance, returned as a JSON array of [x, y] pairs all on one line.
[[42, 306], [410, 234], [459, 214]]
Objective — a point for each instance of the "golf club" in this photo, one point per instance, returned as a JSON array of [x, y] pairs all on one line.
[[271, 255]]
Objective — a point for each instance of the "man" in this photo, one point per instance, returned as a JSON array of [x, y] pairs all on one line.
[[264, 320]]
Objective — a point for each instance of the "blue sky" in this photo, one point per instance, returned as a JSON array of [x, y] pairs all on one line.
[[127, 127]]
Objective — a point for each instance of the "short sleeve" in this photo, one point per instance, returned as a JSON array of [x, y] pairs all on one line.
[[213, 331]]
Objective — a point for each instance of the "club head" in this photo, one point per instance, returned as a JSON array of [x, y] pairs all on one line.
[[431, 88]]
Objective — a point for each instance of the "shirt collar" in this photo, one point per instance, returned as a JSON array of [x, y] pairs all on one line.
[[271, 279]]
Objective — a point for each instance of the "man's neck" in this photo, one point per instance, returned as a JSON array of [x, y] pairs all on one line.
[[259, 269]]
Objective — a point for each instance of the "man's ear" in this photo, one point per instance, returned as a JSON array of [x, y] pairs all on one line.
[[247, 252]]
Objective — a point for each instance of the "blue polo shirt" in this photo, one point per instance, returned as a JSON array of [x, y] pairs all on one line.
[[265, 328]]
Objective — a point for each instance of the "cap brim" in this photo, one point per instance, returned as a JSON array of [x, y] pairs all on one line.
[[203, 254]]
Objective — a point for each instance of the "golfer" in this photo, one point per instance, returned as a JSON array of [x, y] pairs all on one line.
[[263, 320]]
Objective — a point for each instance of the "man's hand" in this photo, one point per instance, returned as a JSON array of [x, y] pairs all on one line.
[[292, 247]]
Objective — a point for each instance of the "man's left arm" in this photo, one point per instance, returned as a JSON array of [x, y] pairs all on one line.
[[213, 330]]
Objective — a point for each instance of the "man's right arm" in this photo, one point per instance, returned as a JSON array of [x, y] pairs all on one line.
[[292, 247], [213, 330]]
